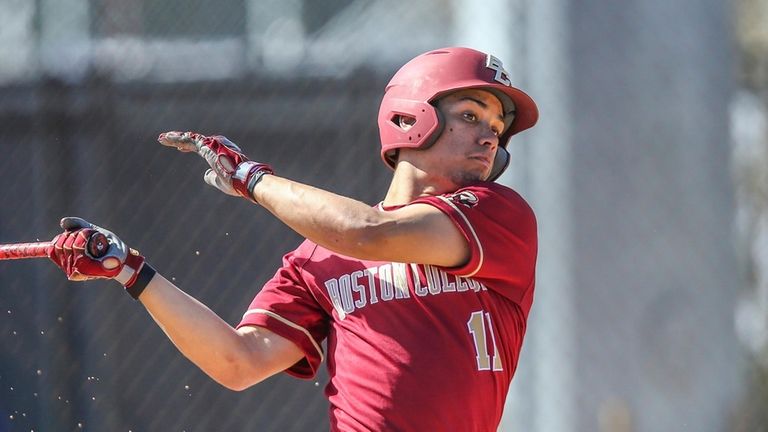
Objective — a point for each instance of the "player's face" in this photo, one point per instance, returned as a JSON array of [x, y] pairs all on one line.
[[465, 150]]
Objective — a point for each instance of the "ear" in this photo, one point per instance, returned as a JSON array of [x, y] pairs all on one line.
[[405, 121]]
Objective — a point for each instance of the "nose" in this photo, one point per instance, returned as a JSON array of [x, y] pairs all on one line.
[[489, 138]]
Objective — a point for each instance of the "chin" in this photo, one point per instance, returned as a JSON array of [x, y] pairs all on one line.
[[466, 178]]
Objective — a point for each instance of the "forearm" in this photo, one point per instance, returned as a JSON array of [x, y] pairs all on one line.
[[414, 233], [338, 223], [201, 335], [341, 224]]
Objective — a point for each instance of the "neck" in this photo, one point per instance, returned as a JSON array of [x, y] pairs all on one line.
[[409, 183]]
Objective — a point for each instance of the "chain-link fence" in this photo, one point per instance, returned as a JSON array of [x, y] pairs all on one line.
[[84, 354], [628, 171]]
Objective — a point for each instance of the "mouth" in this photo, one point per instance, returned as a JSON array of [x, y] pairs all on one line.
[[482, 158]]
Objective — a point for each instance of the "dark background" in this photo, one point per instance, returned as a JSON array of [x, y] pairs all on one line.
[[86, 353]]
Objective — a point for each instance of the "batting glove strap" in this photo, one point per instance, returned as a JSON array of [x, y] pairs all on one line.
[[131, 267], [141, 281], [247, 176]]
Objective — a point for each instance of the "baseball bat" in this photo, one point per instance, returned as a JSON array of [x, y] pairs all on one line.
[[97, 246]]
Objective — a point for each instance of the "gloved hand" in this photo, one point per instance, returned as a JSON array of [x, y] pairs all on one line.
[[230, 170], [69, 250]]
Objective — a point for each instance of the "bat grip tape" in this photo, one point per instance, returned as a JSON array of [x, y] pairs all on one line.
[[142, 280]]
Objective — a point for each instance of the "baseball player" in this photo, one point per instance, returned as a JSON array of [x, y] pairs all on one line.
[[423, 298]]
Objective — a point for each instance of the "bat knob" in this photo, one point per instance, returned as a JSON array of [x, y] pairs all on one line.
[[98, 245]]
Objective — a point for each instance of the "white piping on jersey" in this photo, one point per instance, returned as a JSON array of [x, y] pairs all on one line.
[[471, 229], [474, 234], [289, 324]]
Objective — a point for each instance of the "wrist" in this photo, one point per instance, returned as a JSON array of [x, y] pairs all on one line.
[[131, 267], [143, 277], [247, 176]]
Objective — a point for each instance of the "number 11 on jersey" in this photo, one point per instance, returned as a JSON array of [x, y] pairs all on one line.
[[481, 328]]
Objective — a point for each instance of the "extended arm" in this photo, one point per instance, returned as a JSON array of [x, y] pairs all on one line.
[[415, 233], [236, 359]]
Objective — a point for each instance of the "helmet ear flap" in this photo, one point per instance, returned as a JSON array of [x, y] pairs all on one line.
[[500, 163], [430, 139], [424, 126]]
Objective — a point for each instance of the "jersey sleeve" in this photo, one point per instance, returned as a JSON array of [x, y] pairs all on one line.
[[500, 228], [286, 307]]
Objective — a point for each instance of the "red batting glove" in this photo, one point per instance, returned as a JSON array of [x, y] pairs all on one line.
[[70, 252], [230, 170]]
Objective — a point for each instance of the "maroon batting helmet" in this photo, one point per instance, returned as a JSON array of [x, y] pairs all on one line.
[[414, 89]]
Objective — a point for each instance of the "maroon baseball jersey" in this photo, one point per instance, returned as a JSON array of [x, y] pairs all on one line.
[[411, 346]]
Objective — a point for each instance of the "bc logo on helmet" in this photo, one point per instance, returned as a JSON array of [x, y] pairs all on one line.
[[495, 64]]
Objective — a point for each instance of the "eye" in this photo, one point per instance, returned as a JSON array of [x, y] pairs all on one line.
[[496, 131], [469, 116]]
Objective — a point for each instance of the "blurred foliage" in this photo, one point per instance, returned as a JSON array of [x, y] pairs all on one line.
[[752, 39], [751, 33], [752, 415]]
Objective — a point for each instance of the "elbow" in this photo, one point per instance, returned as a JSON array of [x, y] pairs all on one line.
[[235, 376], [235, 385], [235, 382]]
